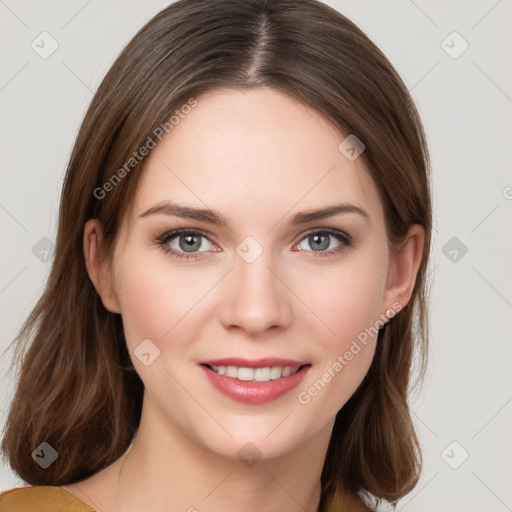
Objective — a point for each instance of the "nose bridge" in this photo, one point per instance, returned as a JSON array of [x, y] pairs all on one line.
[[255, 298]]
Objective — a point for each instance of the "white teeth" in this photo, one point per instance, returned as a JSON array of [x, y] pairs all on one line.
[[232, 371], [262, 374], [245, 373], [255, 374], [275, 372]]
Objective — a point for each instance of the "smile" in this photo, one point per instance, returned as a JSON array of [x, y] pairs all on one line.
[[255, 382]]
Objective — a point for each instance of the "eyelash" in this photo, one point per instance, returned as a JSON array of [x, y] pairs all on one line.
[[163, 240]]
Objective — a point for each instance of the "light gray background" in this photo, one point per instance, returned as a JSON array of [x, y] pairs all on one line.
[[466, 106]]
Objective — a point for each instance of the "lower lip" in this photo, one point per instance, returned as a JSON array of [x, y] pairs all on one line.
[[251, 392]]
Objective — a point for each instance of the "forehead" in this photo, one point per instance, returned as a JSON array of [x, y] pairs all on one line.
[[254, 152]]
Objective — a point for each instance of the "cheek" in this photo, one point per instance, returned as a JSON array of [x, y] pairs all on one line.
[[346, 297], [154, 297]]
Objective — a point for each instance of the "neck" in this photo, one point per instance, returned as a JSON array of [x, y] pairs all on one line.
[[166, 470]]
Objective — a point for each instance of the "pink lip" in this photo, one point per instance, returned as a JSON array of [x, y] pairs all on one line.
[[255, 363], [251, 392]]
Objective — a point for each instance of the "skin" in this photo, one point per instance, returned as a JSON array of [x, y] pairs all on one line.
[[257, 158]]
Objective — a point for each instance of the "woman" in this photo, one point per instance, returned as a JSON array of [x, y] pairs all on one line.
[[238, 286]]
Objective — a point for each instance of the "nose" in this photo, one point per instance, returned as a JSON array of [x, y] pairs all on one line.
[[255, 297]]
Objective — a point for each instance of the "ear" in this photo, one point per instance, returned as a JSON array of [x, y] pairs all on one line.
[[97, 266], [403, 267]]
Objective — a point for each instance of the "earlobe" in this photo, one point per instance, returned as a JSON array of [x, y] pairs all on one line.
[[403, 268], [97, 266]]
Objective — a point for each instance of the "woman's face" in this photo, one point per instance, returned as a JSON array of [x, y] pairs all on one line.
[[255, 280]]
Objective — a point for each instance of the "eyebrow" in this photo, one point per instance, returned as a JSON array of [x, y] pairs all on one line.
[[214, 217]]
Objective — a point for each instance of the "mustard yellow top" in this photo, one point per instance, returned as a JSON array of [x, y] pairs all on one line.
[[51, 498], [41, 499]]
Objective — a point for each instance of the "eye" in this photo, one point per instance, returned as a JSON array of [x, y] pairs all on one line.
[[185, 243], [189, 243], [325, 242]]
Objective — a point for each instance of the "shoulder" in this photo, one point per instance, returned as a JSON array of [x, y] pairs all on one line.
[[348, 503], [41, 498]]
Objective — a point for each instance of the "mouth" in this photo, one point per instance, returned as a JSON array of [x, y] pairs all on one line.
[[255, 382]]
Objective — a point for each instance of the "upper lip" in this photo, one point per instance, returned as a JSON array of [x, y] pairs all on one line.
[[255, 363]]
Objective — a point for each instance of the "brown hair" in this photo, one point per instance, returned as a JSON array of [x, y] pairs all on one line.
[[75, 388]]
